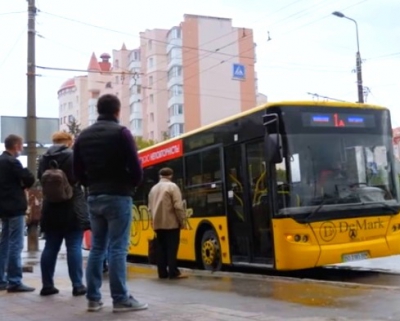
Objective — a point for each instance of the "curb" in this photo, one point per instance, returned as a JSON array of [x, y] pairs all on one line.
[[238, 275]]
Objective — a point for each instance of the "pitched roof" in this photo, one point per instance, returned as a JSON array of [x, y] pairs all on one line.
[[94, 64]]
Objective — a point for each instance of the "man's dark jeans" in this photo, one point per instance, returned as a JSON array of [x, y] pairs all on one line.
[[167, 252], [73, 243]]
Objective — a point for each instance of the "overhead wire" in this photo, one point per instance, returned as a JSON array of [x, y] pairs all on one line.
[[192, 48], [12, 48]]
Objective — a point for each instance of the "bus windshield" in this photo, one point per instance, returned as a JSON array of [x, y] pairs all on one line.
[[336, 168]]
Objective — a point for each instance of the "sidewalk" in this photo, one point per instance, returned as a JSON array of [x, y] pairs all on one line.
[[206, 298]]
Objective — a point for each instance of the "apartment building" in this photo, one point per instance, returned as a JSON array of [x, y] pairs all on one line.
[[191, 75], [78, 96], [73, 98]]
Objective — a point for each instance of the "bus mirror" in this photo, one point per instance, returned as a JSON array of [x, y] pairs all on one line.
[[273, 148]]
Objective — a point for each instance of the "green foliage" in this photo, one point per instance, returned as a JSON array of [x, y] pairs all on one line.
[[143, 143], [74, 128], [281, 175]]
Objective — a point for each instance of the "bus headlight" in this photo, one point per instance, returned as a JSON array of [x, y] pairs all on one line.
[[297, 238]]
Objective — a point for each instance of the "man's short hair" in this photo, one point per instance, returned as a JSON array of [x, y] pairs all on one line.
[[11, 141], [108, 105], [62, 138], [166, 171]]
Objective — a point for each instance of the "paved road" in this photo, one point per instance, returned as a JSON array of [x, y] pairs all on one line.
[[205, 298]]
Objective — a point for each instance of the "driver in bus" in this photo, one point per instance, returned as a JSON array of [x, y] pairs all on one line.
[[330, 176]]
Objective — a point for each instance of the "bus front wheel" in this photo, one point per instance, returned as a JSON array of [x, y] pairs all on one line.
[[210, 251]]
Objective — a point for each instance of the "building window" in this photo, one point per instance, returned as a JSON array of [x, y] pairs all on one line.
[[152, 117], [137, 124], [150, 44], [151, 99], [175, 71], [116, 64], [139, 89], [70, 105], [136, 55], [176, 130], [70, 119], [176, 90], [151, 81], [109, 85], [174, 53], [175, 33], [175, 110], [151, 62]]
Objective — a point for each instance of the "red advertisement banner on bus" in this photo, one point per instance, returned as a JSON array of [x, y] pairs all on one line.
[[161, 154]]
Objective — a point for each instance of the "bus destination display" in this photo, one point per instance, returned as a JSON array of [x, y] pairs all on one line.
[[338, 120]]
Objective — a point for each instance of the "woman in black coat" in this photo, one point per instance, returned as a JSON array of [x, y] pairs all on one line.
[[61, 221]]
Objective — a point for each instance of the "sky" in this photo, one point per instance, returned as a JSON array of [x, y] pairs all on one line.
[[301, 47]]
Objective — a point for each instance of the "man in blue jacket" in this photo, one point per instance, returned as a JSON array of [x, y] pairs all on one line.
[[14, 179], [106, 161]]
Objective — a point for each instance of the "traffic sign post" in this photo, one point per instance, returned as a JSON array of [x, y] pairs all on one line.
[[238, 72]]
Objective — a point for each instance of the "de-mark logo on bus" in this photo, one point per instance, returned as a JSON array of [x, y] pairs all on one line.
[[328, 230]]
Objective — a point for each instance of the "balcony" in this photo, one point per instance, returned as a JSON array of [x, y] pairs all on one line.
[[175, 42], [176, 119], [134, 98], [176, 80], [175, 100], [175, 61], [134, 64], [135, 115]]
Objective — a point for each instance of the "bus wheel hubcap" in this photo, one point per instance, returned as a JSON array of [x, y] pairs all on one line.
[[209, 252]]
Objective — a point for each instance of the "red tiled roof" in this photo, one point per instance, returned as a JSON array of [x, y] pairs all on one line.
[[68, 84], [94, 64]]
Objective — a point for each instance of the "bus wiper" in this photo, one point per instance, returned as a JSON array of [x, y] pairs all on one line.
[[320, 206]]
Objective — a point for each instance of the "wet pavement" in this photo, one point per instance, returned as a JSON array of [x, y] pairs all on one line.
[[204, 296]]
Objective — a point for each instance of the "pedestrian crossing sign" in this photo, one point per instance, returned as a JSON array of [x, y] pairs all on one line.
[[238, 72]]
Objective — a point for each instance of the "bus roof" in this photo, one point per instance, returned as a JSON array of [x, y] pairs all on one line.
[[262, 107]]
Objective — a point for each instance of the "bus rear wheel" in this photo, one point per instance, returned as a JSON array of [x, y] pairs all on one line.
[[210, 251]]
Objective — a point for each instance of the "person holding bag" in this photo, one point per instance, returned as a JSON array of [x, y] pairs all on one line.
[[168, 219], [65, 214]]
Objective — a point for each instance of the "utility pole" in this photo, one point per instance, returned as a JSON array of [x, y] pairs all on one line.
[[33, 239], [360, 88]]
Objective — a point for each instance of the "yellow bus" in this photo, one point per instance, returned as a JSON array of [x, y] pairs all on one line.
[[287, 185]]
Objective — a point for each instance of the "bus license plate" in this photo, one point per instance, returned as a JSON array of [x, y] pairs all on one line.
[[355, 257]]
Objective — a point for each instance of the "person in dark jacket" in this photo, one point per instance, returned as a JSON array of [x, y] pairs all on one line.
[[106, 161], [61, 221], [14, 180]]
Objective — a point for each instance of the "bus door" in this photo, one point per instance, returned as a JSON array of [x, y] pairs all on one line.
[[257, 206], [239, 222]]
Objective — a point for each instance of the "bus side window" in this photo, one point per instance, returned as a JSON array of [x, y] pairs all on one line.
[[203, 183], [177, 166], [193, 170]]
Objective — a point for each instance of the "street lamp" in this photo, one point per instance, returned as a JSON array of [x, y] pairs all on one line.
[[358, 59]]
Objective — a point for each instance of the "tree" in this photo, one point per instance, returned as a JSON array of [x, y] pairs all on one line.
[[165, 135], [74, 128], [143, 143]]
